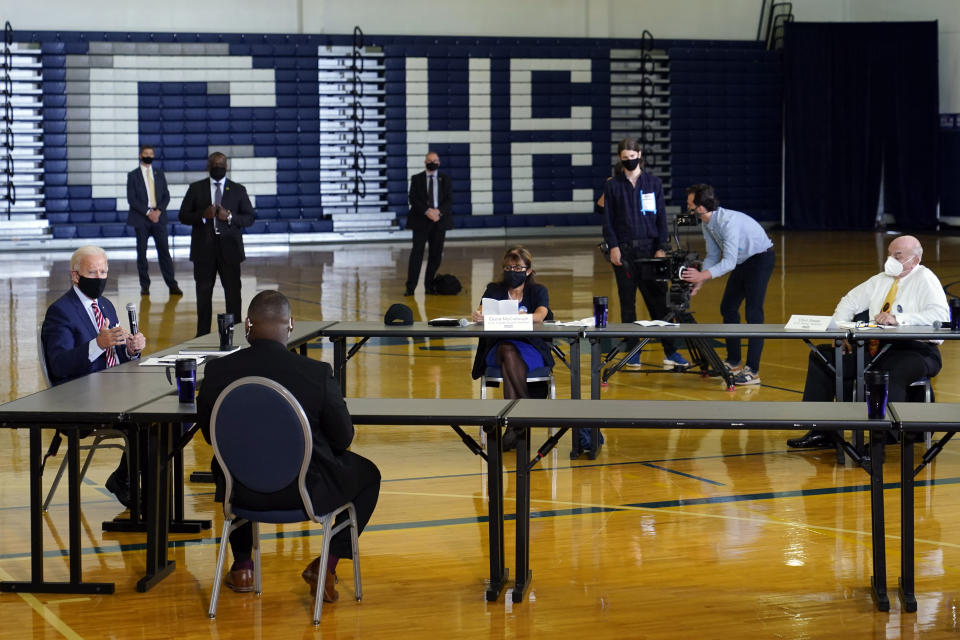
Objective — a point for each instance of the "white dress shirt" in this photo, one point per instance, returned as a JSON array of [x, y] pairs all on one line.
[[93, 349], [920, 299]]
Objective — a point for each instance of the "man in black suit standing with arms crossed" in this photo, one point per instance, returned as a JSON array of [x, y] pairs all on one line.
[[218, 209], [148, 197], [431, 214]]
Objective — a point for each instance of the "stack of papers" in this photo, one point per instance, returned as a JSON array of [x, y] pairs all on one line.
[[656, 323]]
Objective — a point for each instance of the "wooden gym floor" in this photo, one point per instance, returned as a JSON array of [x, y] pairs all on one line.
[[672, 534]]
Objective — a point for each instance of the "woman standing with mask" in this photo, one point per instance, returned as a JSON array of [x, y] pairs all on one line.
[[515, 357], [635, 227]]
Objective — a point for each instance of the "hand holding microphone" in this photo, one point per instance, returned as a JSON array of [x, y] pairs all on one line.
[[135, 341]]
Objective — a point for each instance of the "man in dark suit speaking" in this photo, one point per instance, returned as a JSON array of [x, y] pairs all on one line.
[[82, 334], [335, 475], [148, 197], [218, 209], [431, 215]]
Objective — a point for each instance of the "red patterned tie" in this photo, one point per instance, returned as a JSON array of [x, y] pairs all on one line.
[[101, 323]]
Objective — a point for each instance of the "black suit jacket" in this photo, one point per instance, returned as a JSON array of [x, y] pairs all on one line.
[[417, 219], [138, 199], [311, 382], [205, 245]]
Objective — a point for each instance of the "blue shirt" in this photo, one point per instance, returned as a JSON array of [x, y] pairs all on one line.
[[635, 214], [732, 238]]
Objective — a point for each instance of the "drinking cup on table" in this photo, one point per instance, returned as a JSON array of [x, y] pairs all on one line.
[[185, 372], [955, 314], [875, 385], [225, 328], [600, 304]]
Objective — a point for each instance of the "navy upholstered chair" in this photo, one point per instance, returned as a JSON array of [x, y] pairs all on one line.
[[261, 438]]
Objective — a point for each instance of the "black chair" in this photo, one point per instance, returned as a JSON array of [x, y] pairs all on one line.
[[262, 440], [103, 438]]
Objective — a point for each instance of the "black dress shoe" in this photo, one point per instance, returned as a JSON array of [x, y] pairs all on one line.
[[408, 292], [176, 291], [812, 440], [120, 488], [144, 291]]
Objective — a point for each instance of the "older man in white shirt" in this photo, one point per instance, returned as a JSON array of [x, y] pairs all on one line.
[[906, 293]]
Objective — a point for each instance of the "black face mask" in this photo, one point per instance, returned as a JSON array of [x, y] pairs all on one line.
[[147, 159], [631, 164], [218, 173], [92, 287], [514, 279], [433, 166]]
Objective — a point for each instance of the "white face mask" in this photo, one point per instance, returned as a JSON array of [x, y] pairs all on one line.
[[892, 267]]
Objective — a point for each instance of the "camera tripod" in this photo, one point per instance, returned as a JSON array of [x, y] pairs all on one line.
[[703, 357]]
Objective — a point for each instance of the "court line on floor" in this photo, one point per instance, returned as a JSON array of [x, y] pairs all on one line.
[[579, 509], [44, 612]]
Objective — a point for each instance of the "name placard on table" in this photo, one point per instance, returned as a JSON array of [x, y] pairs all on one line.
[[809, 323], [508, 322]]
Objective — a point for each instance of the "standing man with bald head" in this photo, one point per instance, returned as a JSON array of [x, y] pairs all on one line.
[[430, 217], [218, 209], [906, 293]]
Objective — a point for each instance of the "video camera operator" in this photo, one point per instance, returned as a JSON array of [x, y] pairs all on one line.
[[635, 228], [738, 245]]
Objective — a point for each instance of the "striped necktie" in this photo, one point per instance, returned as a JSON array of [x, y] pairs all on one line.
[[101, 323]]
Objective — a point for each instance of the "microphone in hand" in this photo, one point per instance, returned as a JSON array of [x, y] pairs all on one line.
[[132, 316]]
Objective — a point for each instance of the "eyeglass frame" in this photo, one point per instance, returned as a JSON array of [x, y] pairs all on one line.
[[516, 268]]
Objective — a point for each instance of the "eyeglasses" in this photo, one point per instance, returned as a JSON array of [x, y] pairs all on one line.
[[515, 267]]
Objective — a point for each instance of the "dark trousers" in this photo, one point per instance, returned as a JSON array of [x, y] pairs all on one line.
[[905, 362], [747, 282], [654, 294], [159, 234], [359, 482], [435, 234], [205, 275]]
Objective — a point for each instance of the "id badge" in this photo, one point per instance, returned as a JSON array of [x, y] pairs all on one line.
[[648, 202]]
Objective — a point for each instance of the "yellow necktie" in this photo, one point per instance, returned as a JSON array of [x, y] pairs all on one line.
[[873, 346], [151, 192], [888, 301]]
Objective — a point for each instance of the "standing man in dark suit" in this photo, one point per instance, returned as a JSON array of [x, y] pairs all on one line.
[[431, 215], [335, 475], [218, 209], [82, 334], [148, 197]]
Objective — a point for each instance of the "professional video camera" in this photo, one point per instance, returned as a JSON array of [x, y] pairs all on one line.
[[670, 268]]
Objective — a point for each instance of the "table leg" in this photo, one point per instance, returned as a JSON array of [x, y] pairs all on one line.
[[498, 573], [858, 435], [157, 503], [908, 594], [340, 363], [37, 584], [523, 517], [879, 579]]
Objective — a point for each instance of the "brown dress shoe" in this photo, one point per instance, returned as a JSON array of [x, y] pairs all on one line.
[[240, 580], [312, 573]]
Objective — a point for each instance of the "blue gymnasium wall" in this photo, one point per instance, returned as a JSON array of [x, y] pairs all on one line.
[[522, 124]]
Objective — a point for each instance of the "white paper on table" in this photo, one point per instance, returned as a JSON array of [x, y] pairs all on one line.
[[586, 322], [492, 307], [168, 361], [656, 323]]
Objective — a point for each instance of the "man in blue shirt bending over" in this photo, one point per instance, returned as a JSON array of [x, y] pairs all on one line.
[[738, 245]]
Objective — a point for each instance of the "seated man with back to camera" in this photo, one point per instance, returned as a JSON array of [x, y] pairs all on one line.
[[335, 475], [81, 334], [906, 293]]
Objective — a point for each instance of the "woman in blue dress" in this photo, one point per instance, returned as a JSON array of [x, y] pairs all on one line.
[[515, 356]]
